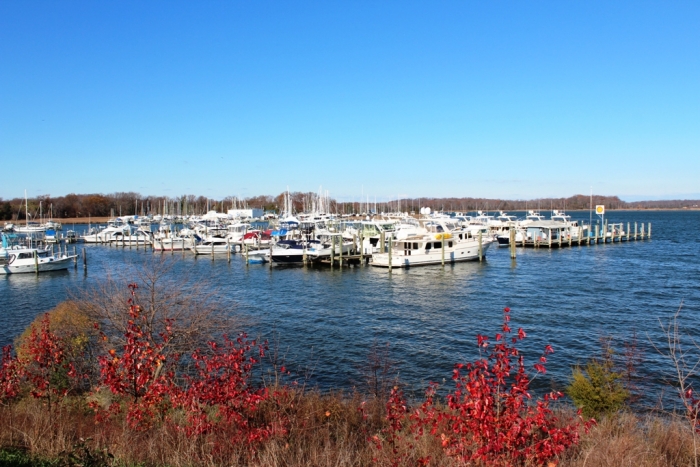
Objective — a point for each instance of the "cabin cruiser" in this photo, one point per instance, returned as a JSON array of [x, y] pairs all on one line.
[[291, 251], [434, 248], [26, 259]]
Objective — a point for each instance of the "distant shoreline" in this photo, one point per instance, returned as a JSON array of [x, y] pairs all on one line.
[[103, 220]]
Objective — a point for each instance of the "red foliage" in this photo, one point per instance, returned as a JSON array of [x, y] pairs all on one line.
[[220, 396], [490, 419], [47, 370], [137, 371], [10, 374]]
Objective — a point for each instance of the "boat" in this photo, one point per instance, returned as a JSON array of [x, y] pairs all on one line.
[[213, 245], [71, 236], [16, 259], [51, 236], [105, 235], [434, 248], [290, 251], [129, 237], [186, 239], [328, 243]]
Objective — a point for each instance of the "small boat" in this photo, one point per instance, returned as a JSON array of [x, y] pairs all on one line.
[[71, 236], [16, 259]]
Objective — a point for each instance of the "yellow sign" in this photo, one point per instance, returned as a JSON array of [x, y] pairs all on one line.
[[600, 209]]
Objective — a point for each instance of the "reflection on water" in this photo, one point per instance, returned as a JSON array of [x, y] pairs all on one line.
[[327, 319]]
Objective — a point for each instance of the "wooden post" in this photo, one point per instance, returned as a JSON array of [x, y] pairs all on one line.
[[390, 248], [340, 254], [635, 231], [228, 248], [628, 231], [75, 257], [595, 238], [642, 233], [36, 262], [84, 259], [580, 234], [332, 250], [245, 250], [442, 250], [304, 257], [511, 243], [481, 248], [382, 247], [362, 263], [649, 231], [605, 232], [559, 232], [549, 238]]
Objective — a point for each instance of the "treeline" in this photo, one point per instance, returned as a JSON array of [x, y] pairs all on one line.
[[130, 203]]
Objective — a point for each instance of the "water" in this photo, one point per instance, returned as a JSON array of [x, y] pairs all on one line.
[[326, 321]]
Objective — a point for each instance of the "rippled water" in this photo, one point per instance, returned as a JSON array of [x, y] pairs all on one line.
[[326, 320]]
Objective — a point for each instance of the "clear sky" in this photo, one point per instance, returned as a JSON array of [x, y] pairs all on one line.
[[451, 98]]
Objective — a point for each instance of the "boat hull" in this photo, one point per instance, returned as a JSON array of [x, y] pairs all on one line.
[[458, 254], [44, 265]]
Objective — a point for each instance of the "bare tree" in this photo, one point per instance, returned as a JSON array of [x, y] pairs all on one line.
[[682, 352], [194, 313]]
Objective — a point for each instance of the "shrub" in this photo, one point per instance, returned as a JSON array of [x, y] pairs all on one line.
[[597, 389]]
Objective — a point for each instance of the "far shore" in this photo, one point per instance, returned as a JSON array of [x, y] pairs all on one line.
[[105, 219]]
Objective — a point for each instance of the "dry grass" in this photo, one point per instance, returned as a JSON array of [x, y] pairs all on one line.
[[635, 441], [323, 430]]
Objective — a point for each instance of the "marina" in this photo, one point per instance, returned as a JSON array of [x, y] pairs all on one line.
[[615, 288]]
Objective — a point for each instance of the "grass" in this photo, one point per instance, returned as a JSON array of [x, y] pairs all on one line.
[[325, 430]]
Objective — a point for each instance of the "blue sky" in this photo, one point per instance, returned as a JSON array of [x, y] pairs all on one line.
[[493, 99]]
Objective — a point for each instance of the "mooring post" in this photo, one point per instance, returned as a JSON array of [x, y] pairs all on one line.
[[84, 259], [75, 257], [382, 248], [642, 233], [390, 248], [228, 248], [481, 248], [442, 249], [649, 231], [36, 262], [628, 231], [332, 250], [245, 251], [340, 253], [511, 243], [362, 263]]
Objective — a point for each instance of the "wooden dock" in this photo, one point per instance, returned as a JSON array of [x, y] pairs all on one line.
[[550, 235]]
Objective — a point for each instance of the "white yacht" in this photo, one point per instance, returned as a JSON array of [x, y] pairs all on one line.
[[23, 259], [450, 247]]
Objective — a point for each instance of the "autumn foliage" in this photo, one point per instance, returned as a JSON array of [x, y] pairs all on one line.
[[489, 418]]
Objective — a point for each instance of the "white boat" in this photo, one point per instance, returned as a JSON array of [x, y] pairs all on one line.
[[186, 239], [106, 235], [328, 243], [213, 245], [30, 227], [431, 249], [129, 237], [22, 259]]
